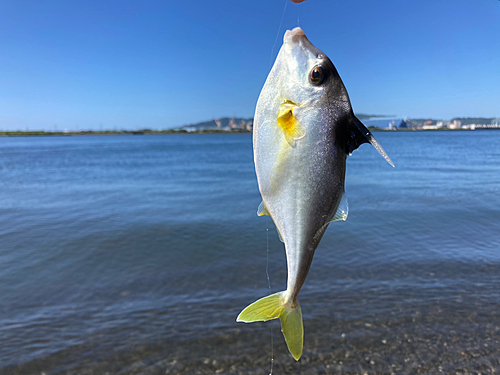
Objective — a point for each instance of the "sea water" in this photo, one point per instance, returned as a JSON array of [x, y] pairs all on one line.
[[135, 254]]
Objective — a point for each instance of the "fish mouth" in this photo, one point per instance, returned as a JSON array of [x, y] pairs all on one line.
[[299, 46], [293, 35]]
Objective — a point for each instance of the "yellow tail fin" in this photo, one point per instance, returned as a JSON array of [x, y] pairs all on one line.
[[272, 307]]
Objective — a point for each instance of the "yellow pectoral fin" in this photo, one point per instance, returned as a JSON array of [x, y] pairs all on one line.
[[291, 128]]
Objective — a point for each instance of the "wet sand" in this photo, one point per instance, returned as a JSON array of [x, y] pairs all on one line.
[[437, 340]]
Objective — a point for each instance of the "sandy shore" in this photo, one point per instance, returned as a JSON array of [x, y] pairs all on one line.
[[435, 341]]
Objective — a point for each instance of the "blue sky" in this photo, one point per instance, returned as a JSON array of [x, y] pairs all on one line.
[[158, 64]]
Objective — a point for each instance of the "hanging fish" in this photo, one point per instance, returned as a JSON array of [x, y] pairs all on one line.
[[304, 129]]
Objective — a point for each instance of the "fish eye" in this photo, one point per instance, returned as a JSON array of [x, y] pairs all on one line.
[[317, 75]]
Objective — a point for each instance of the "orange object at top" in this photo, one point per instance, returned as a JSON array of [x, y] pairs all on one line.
[[298, 1]]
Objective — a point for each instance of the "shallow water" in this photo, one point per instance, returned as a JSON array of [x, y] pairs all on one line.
[[134, 254]]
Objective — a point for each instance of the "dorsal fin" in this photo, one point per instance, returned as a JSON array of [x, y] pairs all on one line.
[[357, 134]]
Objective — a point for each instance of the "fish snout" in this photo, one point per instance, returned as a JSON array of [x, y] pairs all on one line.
[[293, 35]]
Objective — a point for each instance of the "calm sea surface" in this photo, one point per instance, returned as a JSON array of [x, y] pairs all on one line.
[[134, 254]]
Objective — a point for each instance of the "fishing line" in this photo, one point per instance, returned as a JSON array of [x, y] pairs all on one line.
[[277, 35], [267, 260], [298, 21], [267, 227], [269, 286]]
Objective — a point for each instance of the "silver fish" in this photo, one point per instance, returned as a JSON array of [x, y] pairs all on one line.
[[304, 129]]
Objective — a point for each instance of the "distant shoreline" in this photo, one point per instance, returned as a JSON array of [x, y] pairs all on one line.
[[162, 132], [38, 133]]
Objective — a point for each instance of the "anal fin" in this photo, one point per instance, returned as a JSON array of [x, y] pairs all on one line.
[[261, 211], [279, 235], [342, 210]]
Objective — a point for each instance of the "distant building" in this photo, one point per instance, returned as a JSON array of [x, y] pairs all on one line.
[[386, 123], [431, 127]]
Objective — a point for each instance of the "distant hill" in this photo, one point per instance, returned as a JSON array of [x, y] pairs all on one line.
[[463, 120], [211, 125], [364, 116], [224, 122], [420, 121], [474, 120]]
